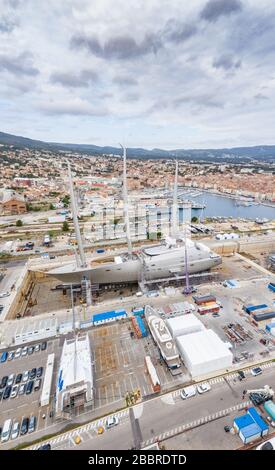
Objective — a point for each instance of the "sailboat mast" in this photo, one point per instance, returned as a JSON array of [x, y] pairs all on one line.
[[125, 204], [75, 220], [175, 212]]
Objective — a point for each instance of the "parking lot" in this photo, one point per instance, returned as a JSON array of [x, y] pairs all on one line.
[[25, 405], [119, 364]]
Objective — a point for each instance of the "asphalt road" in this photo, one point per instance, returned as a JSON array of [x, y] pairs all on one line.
[[166, 413]]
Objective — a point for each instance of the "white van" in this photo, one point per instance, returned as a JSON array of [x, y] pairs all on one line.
[[6, 430], [188, 392]]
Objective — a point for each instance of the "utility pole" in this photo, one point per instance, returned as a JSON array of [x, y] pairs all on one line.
[[175, 211]]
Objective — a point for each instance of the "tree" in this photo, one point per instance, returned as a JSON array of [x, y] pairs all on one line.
[[194, 220], [19, 223], [66, 200], [52, 207], [65, 227]]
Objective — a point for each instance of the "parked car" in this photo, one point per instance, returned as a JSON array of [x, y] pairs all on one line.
[[18, 378], [39, 372], [14, 391], [25, 377], [45, 447], [32, 373], [17, 353], [29, 387], [203, 388], [22, 389], [241, 374], [256, 371], [1, 395], [37, 348], [4, 381], [24, 351], [188, 392], [7, 393], [227, 428], [15, 430], [10, 355], [37, 385], [44, 346], [5, 435], [24, 426], [11, 379], [30, 350], [111, 422], [4, 356], [4, 294], [32, 424]]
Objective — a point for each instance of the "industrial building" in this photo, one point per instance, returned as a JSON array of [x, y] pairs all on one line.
[[204, 352], [184, 324], [75, 385], [106, 317]]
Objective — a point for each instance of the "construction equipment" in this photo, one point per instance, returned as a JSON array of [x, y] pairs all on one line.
[[259, 396]]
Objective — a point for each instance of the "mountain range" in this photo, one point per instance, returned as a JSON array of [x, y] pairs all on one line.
[[240, 154]]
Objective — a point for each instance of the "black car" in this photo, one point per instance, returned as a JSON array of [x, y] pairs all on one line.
[[39, 372], [7, 393], [4, 381], [29, 387], [44, 346], [227, 428], [30, 349], [24, 426], [32, 373], [241, 374], [45, 447], [18, 378], [1, 394]]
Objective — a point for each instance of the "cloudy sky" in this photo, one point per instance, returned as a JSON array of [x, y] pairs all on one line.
[[149, 73]]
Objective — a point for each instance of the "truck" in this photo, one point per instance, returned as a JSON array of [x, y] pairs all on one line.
[[47, 240]]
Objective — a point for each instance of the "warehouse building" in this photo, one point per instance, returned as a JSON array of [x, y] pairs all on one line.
[[204, 352], [184, 325], [75, 385]]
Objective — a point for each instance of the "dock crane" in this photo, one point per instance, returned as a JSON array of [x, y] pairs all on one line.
[[260, 395]]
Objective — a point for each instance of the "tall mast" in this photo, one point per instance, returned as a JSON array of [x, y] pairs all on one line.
[[187, 290], [75, 220], [175, 212], [125, 203]]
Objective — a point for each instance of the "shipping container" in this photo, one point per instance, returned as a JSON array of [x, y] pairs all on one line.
[[155, 382], [270, 326], [251, 308], [271, 286], [264, 316], [269, 407], [250, 433], [138, 311], [258, 420], [214, 308], [139, 327], [199, 300]]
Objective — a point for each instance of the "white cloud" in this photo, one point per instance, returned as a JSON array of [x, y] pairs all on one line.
[[161, 73]]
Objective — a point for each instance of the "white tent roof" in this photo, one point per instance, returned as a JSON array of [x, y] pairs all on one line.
[[203, 346], [183, 322]]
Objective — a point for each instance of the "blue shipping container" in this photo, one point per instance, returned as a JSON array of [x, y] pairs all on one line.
[[269, 326], [258, 419], [251, 432], [141, 327], [271, 286], [138, 311], [243, 421], [251, 308]]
